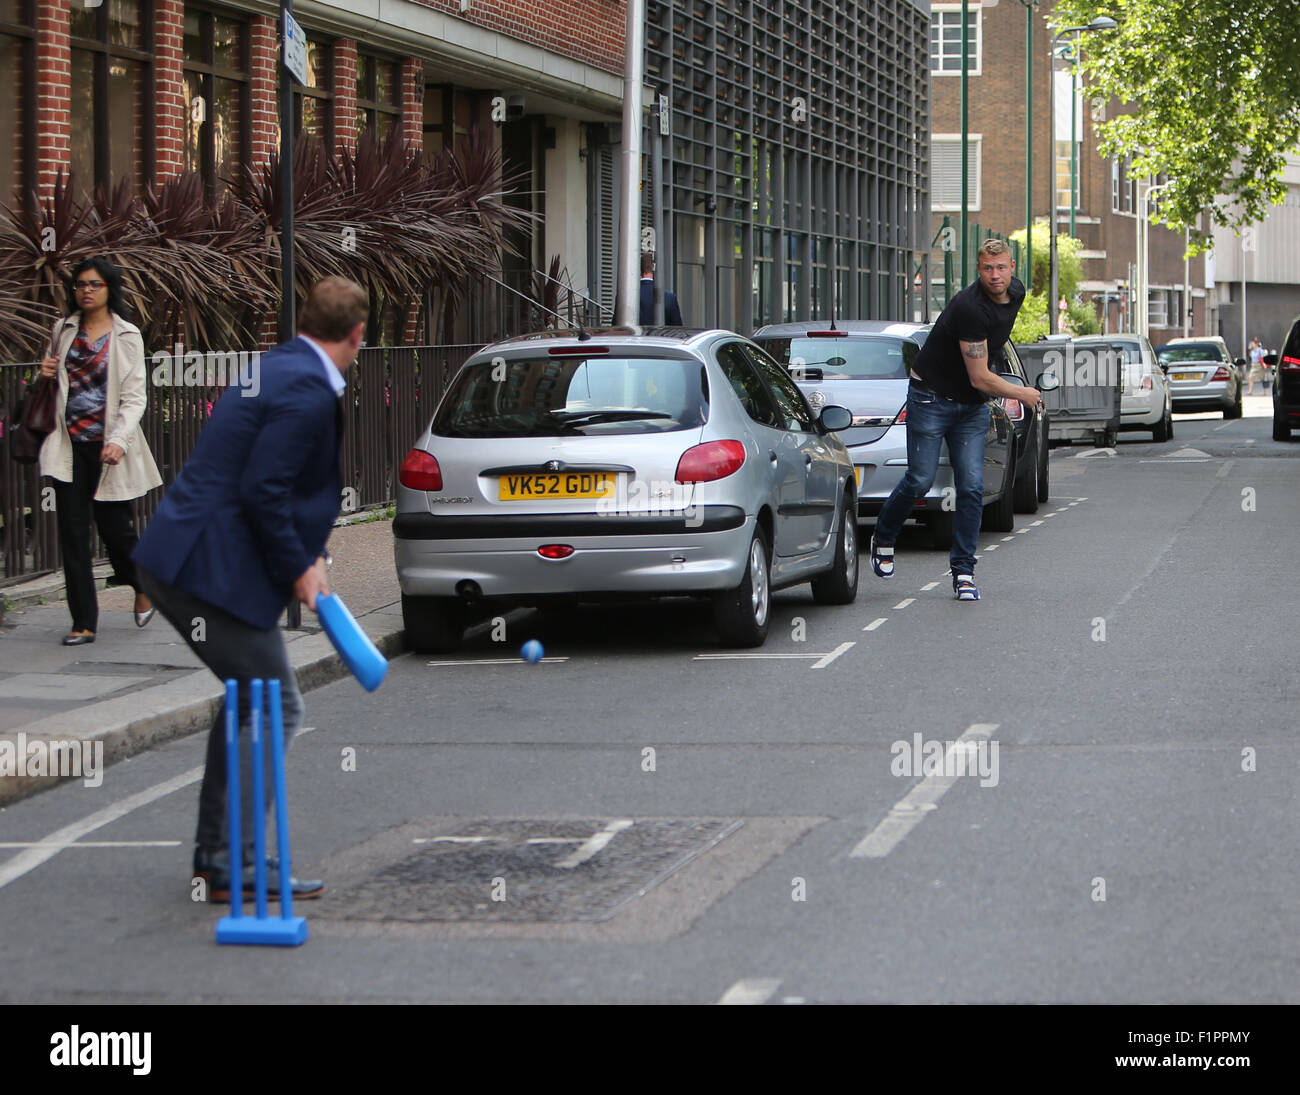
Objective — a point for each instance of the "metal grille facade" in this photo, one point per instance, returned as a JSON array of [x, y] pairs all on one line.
[[798, 157]]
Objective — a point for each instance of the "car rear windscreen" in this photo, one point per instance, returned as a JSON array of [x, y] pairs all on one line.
[[846, 358], [1204, 351], [574, 396]]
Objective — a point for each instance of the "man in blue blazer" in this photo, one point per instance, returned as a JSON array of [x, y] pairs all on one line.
[[672, 310], [242, 532]]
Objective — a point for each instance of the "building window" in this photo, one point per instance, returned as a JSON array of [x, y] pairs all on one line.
[[945, 41], [945, 172], [112, 96], [313, 106], [217, 126], [379, 95], [17, 101]]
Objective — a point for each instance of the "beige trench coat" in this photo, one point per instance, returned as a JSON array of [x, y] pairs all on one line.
[[137, 473]]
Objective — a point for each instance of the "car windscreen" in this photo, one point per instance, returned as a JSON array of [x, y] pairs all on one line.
[[877, 358], [1205, 351], [574, 396]]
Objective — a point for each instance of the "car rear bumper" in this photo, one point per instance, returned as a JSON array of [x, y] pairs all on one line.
[[623, 558], [1202, 397]]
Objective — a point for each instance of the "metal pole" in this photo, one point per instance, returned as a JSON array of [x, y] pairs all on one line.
[[657, 215], [1187, 284], [629, 272], [1052, 325], [1074, 141], [1028, 275], [965, 67], [1245, 350], [288, 324]]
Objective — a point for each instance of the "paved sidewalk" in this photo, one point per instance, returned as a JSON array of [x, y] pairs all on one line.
[[132, 688]]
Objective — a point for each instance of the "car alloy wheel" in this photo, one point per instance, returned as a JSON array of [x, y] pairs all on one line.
[[839, 584], [740, 615]]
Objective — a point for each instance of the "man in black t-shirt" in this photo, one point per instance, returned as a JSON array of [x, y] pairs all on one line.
[[948, 401]]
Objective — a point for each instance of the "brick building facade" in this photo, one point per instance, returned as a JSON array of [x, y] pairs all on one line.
[[1105, 197]]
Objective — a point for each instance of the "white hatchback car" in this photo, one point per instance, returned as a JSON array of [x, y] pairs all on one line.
[[1146, 402]]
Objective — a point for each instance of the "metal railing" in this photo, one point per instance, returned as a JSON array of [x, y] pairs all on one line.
[[392, 392]]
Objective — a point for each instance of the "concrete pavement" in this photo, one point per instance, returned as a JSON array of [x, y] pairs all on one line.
[[133, 688]]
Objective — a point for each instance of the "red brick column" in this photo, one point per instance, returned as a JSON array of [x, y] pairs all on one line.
[[345, 95], [53, 95], [169, 85], [413, 103], [265, 44]]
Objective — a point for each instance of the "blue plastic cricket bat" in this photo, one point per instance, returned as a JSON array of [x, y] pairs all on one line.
[[360, 655]]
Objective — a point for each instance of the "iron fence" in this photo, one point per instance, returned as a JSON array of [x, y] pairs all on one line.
[[391, 394]]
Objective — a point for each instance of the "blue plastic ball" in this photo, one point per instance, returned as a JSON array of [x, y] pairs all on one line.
[[531, 651]]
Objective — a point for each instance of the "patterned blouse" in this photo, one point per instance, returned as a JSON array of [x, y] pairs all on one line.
[[87, 365]]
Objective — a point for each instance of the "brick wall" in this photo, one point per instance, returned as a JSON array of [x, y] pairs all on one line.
[[593, 31], [54, 77], [263, 53], [345, 94], [169, 85]]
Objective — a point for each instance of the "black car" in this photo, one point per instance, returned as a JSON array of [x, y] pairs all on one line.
[[1286, 384], [1032, 425]]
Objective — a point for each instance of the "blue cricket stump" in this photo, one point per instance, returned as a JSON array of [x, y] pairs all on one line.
[[285, 930]]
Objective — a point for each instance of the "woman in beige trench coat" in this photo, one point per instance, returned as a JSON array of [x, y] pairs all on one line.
[[97, 455]]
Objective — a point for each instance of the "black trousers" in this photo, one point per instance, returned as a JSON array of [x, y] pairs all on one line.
[[233, 650], [74, 504]]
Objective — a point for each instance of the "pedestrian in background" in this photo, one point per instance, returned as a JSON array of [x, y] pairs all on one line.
[[242, 532], [1256, 356], [672, 310], [97, 454], [947, 400]]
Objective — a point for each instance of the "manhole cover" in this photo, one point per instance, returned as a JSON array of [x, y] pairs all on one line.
[[511, 870]]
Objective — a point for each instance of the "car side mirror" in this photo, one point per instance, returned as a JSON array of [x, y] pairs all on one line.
[[1240, 362], [1047, 381], [834, 418]]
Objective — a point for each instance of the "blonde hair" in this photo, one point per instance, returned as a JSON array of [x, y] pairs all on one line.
[[991, 247]]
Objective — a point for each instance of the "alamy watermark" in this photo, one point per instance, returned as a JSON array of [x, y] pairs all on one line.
[[653, 498], [180, 368], [65, 758], [974, 757]]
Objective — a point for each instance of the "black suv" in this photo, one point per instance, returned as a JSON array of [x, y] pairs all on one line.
[[1286, 384]]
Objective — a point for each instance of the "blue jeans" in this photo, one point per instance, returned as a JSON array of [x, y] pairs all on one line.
[[931, 420]]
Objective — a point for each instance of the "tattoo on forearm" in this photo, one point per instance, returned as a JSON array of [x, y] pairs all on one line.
[[976, 349]]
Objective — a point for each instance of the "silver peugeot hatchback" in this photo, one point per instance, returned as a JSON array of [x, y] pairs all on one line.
[[625, 462]]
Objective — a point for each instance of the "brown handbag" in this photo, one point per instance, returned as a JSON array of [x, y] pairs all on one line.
[[34, 419]]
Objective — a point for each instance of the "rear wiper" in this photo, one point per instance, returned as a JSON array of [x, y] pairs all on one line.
[[576, 418]]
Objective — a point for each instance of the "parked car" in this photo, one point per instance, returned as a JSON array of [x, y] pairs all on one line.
[[1031, 425], [863, 365], [1202, 375], [1286, 384], [1146, 402], [1086, 405], [620, 463]]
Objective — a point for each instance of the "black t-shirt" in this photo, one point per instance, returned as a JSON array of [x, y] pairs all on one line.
[[970, 317]]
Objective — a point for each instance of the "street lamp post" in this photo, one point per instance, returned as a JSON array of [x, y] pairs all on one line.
[[1101, 23], [1141, 306]]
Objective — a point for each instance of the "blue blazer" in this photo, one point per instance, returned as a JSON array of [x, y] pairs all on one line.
[[672, 310], [253, 506]]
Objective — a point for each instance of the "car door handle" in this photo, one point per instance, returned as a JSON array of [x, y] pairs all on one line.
[[771, 455], [807, 460]]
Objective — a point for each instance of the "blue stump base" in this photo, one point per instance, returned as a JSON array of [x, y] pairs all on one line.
[[273, 931]]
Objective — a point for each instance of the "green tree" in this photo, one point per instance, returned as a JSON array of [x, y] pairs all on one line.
[[1212, 94], [1031, 323]]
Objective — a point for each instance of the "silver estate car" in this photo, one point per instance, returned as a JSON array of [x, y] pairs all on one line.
[[1202, 375], [625, 462], [863, 365]]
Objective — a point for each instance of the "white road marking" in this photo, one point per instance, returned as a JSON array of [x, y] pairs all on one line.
[[877, 622], [1035, 524], [1227, 467], [1021, 531], [1007, 539], [51, 845], [500, 661], [90, 844], [992, 547], [452, 839], [928, 586], [751, 990], [1049, 515], [907, 814], [720, 656], [827, 659], [594, 843], [905, 602]]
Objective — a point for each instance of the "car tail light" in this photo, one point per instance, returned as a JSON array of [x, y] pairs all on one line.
[[710, 461], [1289, 364], [1148, 384], [1015, 409], [901, 417], [826, 334], [555, 551], [1221, 373], [420, 471], [577, 351]]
